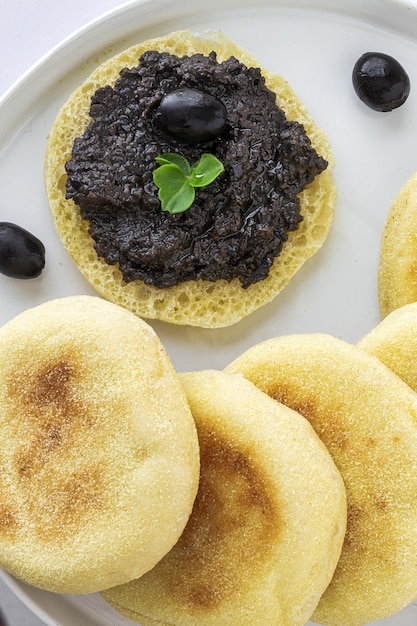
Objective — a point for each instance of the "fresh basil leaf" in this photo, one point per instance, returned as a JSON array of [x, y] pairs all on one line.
[[175, 193], [205, 170], [176, 179], [176, 159], [169, 177], [179, 201]]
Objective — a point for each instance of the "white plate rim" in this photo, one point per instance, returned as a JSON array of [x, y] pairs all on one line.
[[126, 11]]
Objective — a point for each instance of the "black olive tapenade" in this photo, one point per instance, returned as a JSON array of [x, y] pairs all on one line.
[[237, 225]]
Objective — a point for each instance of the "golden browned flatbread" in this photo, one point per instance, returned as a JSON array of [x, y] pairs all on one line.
[[366, 417], [268, 522], [197, 303], [397, 279], [99, 454], [394, 342]]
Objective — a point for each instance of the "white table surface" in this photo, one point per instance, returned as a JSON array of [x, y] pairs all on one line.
[[28, 30]]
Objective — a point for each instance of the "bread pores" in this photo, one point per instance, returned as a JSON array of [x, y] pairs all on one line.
[[196, 303]]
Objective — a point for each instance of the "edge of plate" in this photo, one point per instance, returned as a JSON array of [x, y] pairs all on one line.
[[124, 17]]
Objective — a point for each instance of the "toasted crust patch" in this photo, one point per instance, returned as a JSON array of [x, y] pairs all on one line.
[[267, 525], [97, 442], [366, 417], [197, 303], [397, 277]]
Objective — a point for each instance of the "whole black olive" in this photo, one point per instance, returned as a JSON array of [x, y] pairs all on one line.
[[191, 115], [380, 81], [22, 255]]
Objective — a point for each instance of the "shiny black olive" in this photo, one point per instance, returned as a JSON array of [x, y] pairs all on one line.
[[22, 255], [380, 81], [191, 115]]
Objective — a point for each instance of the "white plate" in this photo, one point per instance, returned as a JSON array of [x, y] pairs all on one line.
[[314, 44]]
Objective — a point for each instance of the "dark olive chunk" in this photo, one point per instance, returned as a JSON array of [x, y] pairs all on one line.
[[22, 255], [238, 224], [191, 115], [380, 81]]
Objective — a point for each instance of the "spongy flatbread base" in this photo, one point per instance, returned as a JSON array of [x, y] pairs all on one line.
[[397, 278], [367, 418], [268, 522], [99, 452], [197, 303]]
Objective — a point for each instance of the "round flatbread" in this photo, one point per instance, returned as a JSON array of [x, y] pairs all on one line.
[[268, 522], [397, 278], [99, 454], [394, 342], [366, 417], [195, 302]]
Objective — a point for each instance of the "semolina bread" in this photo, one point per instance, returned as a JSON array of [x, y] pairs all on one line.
[[397, 277], [193, 302], [394, 342], [267, 525], [367, 418], [99, 452]]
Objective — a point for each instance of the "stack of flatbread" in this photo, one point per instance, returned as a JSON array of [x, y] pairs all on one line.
[[367, 418], [277, 491], [103, 447], [267, 525]]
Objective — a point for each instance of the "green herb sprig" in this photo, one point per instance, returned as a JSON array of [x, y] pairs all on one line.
[[177, 180]]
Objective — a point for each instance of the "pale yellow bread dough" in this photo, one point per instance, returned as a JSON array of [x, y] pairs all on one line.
[[394, 342], [99, 455], [197, 303], [397, 278], [268, 522], [367, 418]]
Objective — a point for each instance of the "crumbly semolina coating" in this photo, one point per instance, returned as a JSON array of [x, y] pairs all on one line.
[[397, 276], [367, 418], [394, 342]]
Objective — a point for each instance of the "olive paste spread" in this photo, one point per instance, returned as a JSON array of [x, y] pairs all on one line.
[[238, 224]]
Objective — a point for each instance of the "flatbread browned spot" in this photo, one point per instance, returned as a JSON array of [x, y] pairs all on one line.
[[8, 518], [49, 397], [367, 418], [75, 500], [251, 519], [331, 426], [267, 524], [99, 452]]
